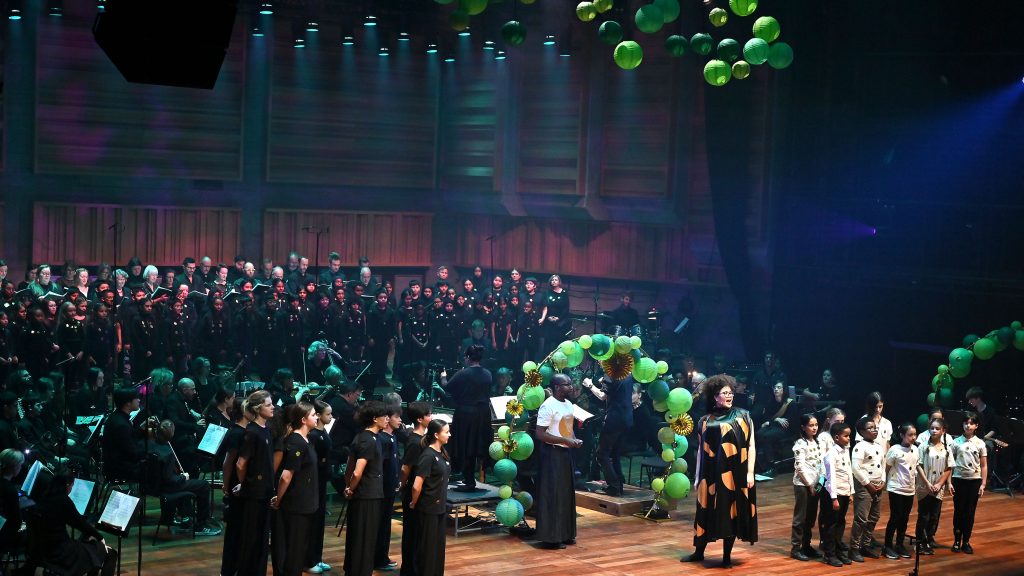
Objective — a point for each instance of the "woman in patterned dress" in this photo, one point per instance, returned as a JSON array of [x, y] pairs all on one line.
[[726, 500]]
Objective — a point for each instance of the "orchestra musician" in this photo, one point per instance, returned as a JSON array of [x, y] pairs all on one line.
[[190, 424], [173, 478]]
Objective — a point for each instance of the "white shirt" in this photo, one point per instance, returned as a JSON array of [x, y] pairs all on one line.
[[902, 462], [935, 459], [825, 441], [868, 463], [968, 455], [838, 473], [884, 437], [923, 438], [807, 462], [557, 418]]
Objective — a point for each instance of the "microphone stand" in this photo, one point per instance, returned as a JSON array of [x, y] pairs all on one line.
[[597, 297], [144, 470]]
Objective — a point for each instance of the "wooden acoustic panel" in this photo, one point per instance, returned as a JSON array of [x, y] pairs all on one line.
[[387, 239], [164, 236]]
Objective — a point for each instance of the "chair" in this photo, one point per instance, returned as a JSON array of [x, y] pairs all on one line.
[[654, 467], [169, 501], [630, 456]]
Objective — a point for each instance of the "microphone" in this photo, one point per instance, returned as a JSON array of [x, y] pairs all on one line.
[[307, 228], [489, 238]]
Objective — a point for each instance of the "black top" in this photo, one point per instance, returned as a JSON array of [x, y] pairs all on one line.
[[411, 458], [434, 468], [372, 483], [620, 405], [300, 457], [391, 466], [321, 442], [122, 452], [557, 304], [470, 386], [232, 441], [344, 430], [259, 474], [11, 510], [57, 512], [988, 420]]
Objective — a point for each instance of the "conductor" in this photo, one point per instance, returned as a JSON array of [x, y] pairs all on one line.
[[471, 424]]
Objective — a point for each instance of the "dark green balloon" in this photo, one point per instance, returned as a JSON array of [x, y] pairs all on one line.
[[969, 340], [676, 45], [701, 43], [658, 390], [610, 32], [1005, 335], [922, 422], [513, 32], [729, 50], [945, 397]]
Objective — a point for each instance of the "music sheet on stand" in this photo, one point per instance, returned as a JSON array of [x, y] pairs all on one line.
[[119, 510], [81, 493], [212, 439], [30, 479]]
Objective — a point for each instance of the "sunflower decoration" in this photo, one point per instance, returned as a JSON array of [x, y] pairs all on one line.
[[534, 378], [682, 424], [618, 366], [514, 407], [510, 445]]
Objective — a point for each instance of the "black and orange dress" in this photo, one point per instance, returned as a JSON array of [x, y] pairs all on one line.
[[726, 508]]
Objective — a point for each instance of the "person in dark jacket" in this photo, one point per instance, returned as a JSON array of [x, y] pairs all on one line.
[[618, 420]]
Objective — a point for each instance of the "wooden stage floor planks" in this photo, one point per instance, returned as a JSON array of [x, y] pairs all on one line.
[[609, 545]]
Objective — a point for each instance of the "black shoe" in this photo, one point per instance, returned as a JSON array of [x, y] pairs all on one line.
[[927, 550], [967, 548], [570, 542], [798, 554], [811, 552], [856, 556], [874, 544], [726, 563], [891, 554], [869, 553], [833, 561], [956, 546], [695, 557], [613, 491], [465, 488], [552, 545], [387, 567], [902, 551], [845, 559], [932, 543]]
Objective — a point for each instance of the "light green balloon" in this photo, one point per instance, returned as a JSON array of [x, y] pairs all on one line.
[[524, 446], [505, 492], [503, 432], [658, 484], [473, 7], [743, 7], [662, 367], [559, 360], [586, 340], [567, 347], [718, 17], [677, 485], [603, 5], [680, 465], [645, 371], [680, 400], [496, 451], [529, 366], [740, 69], [586, 11], [668, 455], [635, 342], [666, 435], [623, 345], [767, 28], [984, 349]]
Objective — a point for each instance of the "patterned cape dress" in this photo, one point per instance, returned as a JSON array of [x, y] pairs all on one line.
[[726, 508]]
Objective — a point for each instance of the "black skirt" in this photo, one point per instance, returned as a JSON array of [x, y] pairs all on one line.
[[430, 542], [361, 536], [556, 496], [471, 432]]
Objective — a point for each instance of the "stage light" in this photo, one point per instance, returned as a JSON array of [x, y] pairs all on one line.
[[404, 37], [384, 51], [370, 20], [449, 59], [14, 10], [431, 48], [348, 40], [549, 40], [101, 5], [465, 32], [266, 7], [55, 7], [312, 26], [565, 44], [298, 34], [499, 55], [257, 31], [488, 44]]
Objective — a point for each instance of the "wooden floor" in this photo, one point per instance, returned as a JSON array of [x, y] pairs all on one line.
[[608, 545]]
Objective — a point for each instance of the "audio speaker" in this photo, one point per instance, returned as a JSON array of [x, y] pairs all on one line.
[[165, 42]]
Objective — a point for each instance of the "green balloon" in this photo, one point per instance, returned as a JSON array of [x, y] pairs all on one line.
[[675, 45], [509, 512], [1018, 339], [728, 50], [658, 391], [945, 381], [960, 371], [767, 28], [743, 7], [524, 446], [503, 432], [740, 69], [960, 357], [680, 400], [668, 455], [666, 435], [529, 366], [559, 360], [658, 484], [717, 73], [458, 19], [945, 397], [600, 343], [586, 340], [505, 492], [496, 451], [677, 485], [969, 340], [681, 446], [610, 33], [586, 11], [513, 32], [680, 465], [635, 342], [649, 18], [936, 381], [1005, 335], [984, 349], [526, 499], [607, 354], [922, 421], [942, 369], [505, 470], [669, 9], [646, 371], [931, 399], [623, 344], [576, 357], [662, 367], [473, 7], [701, 43], [567, 346], [718, 17], [603, 5], [546, 372], [780, 55], [755, 51], [660, 406]]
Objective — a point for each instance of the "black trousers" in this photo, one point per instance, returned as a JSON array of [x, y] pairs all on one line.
[[609, 452], [805, 514], [315, 551], [232, 532], [254, 538], [833, 522], [361, 536], [410, 530], [430, 543], [928, 509], [296, 530], [965, 504], [899, 517], [381, 555]]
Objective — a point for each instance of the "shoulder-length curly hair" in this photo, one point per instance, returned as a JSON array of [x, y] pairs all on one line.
[[714, 385]]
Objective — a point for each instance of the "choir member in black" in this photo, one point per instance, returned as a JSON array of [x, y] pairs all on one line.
[[218, 411], [101, 340], [526, 334], [470, 389], [354, 332], [51, 307], [420, 416], [779, 423], [11, 463], [470, 292], [416, 334], [300, 277], [220, 280], [91, 399], [332, 271], [444, 330], [293, 328], [177, 339], [618, 420], [39, 345], [429, 492], [42, 285], [48, 523], [381, 334], [213, 330], [243, 332], [189, 277], [145, 339], [232, 505], [297, 495], [321, 442], [323, 321], [8, 351], [344, 403], [364, 488], [122, 445], [501, 332], [529, 294], [555, 313], [270, 337], [392, 470], [174, 479], [556, 501], [255, 475]]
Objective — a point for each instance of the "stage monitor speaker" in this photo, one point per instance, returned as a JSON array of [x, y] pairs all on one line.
[[165, 42]]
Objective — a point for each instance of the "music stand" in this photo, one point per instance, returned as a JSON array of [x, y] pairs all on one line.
[[116, 519]]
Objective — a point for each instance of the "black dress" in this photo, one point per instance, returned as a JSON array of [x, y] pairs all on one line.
[[471, 424], [726, 508], [431, 512], [364, 506], [255, 494], [556, 496], [321, 442], [232, 504], [300, 501], [411, 458]]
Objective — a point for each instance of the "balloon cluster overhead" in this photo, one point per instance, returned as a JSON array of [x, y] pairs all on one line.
[[960, 361], [615, 23]]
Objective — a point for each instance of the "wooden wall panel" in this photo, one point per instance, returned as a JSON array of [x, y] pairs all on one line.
[[89, 120], [158, 235], [578, 248], [387, 239], [550, 127], [469, 124], [344, 116]]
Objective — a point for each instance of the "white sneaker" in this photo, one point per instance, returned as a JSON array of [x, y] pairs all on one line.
[[314, 570], [324, 566]]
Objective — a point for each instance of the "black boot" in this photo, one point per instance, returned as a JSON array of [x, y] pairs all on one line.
[[697, 555], [727, 552]]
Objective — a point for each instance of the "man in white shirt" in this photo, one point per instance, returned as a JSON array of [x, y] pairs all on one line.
[[556, 496]]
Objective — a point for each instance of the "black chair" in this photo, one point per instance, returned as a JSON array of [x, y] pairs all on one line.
[[169, 501], [35, 553]]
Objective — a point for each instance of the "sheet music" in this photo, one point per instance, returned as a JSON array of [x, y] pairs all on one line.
[[30, 478], [119, 510], [132, 416], [580, 414], [498, 404], [87, 420], [2, 522], [212, 439], [81, 494]]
